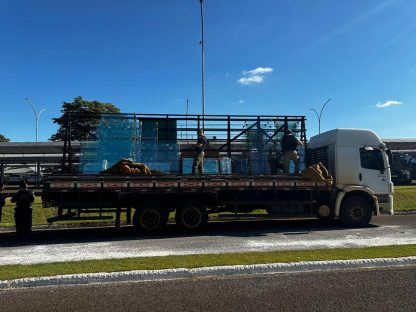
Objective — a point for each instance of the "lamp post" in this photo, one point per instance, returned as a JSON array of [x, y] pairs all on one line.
[[203, 62], [37, 116], [186, 118], [320, 114]]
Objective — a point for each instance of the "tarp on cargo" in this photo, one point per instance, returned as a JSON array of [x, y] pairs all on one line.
[[318, 173]]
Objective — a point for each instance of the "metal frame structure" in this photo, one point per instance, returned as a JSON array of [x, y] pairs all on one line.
[[228, 134]]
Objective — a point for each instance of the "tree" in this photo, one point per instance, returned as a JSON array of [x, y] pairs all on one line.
[[3, 138], [81, 127]]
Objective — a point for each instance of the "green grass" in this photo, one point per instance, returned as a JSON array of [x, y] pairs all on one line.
[[8, 272], [404, 200], [39, 214]]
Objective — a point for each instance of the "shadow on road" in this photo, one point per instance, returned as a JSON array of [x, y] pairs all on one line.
[[252, 228]]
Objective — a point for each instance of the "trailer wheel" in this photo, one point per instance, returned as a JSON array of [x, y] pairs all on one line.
[[191, 216], [150, 218], [356, 211]]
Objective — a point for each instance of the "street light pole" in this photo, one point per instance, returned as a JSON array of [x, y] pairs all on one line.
[[319, 119], [37, 116], [186, 118], [202, 42], [320, 114]]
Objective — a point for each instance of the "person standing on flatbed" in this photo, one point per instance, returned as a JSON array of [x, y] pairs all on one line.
[[23, 211], [198, 164], [289, 146]]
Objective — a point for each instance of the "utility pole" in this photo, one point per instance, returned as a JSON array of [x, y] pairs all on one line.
[[37, 116], [320, 114], [202, 42]]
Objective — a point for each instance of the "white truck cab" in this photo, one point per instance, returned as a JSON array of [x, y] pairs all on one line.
[[358, 162]]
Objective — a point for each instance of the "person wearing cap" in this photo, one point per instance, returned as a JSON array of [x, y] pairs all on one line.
[[289, 146], [23, 211], [198, 164], [2, 199]]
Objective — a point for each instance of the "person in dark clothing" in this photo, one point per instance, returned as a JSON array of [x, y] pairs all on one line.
[[198, 164], [289, 146], [23, 211], [2, 199]]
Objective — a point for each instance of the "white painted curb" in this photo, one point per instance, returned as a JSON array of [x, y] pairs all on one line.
[[182, 273]]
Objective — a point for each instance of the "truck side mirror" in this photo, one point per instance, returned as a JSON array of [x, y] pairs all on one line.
[[390, 157]]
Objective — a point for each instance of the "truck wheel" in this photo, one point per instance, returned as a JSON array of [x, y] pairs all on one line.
[[356, 211], [150, 218], [191, 216]]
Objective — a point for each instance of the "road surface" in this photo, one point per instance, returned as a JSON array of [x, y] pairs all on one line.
[[378, 290], [221, 237]]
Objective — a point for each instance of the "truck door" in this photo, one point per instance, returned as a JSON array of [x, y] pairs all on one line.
[[373, 170]]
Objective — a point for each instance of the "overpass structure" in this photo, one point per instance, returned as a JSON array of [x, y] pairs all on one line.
[[39, 156], [401, 145]]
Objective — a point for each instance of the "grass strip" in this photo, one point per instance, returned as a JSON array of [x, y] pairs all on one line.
[[8, 272], [404, 198]]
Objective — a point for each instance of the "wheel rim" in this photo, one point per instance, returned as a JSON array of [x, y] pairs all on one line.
[[150, 219], [356, 213], [192, 217]]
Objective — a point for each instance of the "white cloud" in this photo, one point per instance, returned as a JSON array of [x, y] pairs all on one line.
[[251, 80], [254, 76], [258, 71], [238, 102], [388, 103]]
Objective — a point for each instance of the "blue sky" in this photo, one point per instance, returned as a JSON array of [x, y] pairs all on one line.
[[261, 57]]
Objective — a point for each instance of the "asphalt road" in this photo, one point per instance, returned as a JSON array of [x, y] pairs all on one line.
[[221, 237], [378, 290]]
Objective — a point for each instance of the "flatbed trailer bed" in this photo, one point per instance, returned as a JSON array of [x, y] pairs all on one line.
[[144, 183], [280, 194]]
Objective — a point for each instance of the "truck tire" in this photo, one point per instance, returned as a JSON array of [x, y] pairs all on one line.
[[150, 218], [191, 216], [356, 211]]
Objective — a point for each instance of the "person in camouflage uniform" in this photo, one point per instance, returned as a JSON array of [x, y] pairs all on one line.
[[289, 146], [23, 211], [2, 199]]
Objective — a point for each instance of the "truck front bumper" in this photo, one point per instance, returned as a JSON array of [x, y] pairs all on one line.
[[385, 203]]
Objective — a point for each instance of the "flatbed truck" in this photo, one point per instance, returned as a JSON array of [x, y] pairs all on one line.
[[356, 159]]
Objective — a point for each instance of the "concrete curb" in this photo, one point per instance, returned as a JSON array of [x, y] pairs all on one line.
[[183, 273], [402, 213]]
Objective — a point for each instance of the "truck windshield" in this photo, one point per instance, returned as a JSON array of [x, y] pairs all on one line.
[[371, 158]]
